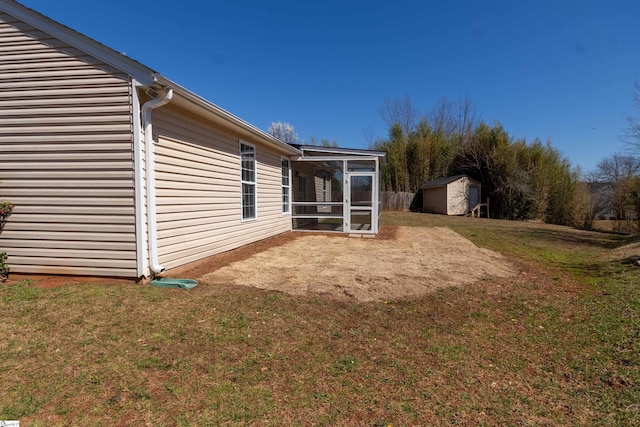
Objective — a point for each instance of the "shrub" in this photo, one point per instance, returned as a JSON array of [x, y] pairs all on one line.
[[4, 268], [5, 210]]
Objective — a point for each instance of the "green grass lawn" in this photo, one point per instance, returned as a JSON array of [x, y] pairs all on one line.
[[556, 344]]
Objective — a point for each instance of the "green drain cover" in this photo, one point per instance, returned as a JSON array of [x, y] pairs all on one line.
[[167, 282]]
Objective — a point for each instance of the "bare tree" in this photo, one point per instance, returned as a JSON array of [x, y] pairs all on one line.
[[284, 132], [440, 118], [466, 119], [402, 118], [632, 133], [590, 200], [400, 112], [454, 119], [371, 138], [618, 175]]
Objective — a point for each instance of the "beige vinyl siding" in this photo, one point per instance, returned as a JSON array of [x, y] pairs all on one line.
[[322, 185], [65, 158], [198, 190]]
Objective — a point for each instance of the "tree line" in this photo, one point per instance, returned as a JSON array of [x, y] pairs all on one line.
[[522, 180]]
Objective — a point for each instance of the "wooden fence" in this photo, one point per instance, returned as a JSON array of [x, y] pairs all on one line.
[[400, 201]]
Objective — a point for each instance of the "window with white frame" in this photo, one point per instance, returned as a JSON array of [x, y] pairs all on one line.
[[285, 185], [248, 178]]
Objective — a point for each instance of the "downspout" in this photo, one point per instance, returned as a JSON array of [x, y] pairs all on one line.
[[150, 163], [138, 150]]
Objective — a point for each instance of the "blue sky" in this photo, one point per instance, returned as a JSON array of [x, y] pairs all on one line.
[[561, 70]]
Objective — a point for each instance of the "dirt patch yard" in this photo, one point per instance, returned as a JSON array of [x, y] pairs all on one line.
[[406, 264]]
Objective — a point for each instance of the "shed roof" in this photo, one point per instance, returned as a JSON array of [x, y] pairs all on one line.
[[441, 182], [143, 75]]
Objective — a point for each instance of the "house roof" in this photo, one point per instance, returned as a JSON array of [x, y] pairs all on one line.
[[319, 150], [143, 75], [441, 182], [338, 150]]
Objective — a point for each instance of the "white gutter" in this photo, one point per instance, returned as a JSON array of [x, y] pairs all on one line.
[[150, 164]]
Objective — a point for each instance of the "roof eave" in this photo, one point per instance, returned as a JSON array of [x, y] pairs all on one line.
[[339, 150], [142, 74], [247, 129]]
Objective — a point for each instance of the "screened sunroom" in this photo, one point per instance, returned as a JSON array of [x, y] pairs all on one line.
[[336, 189]]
